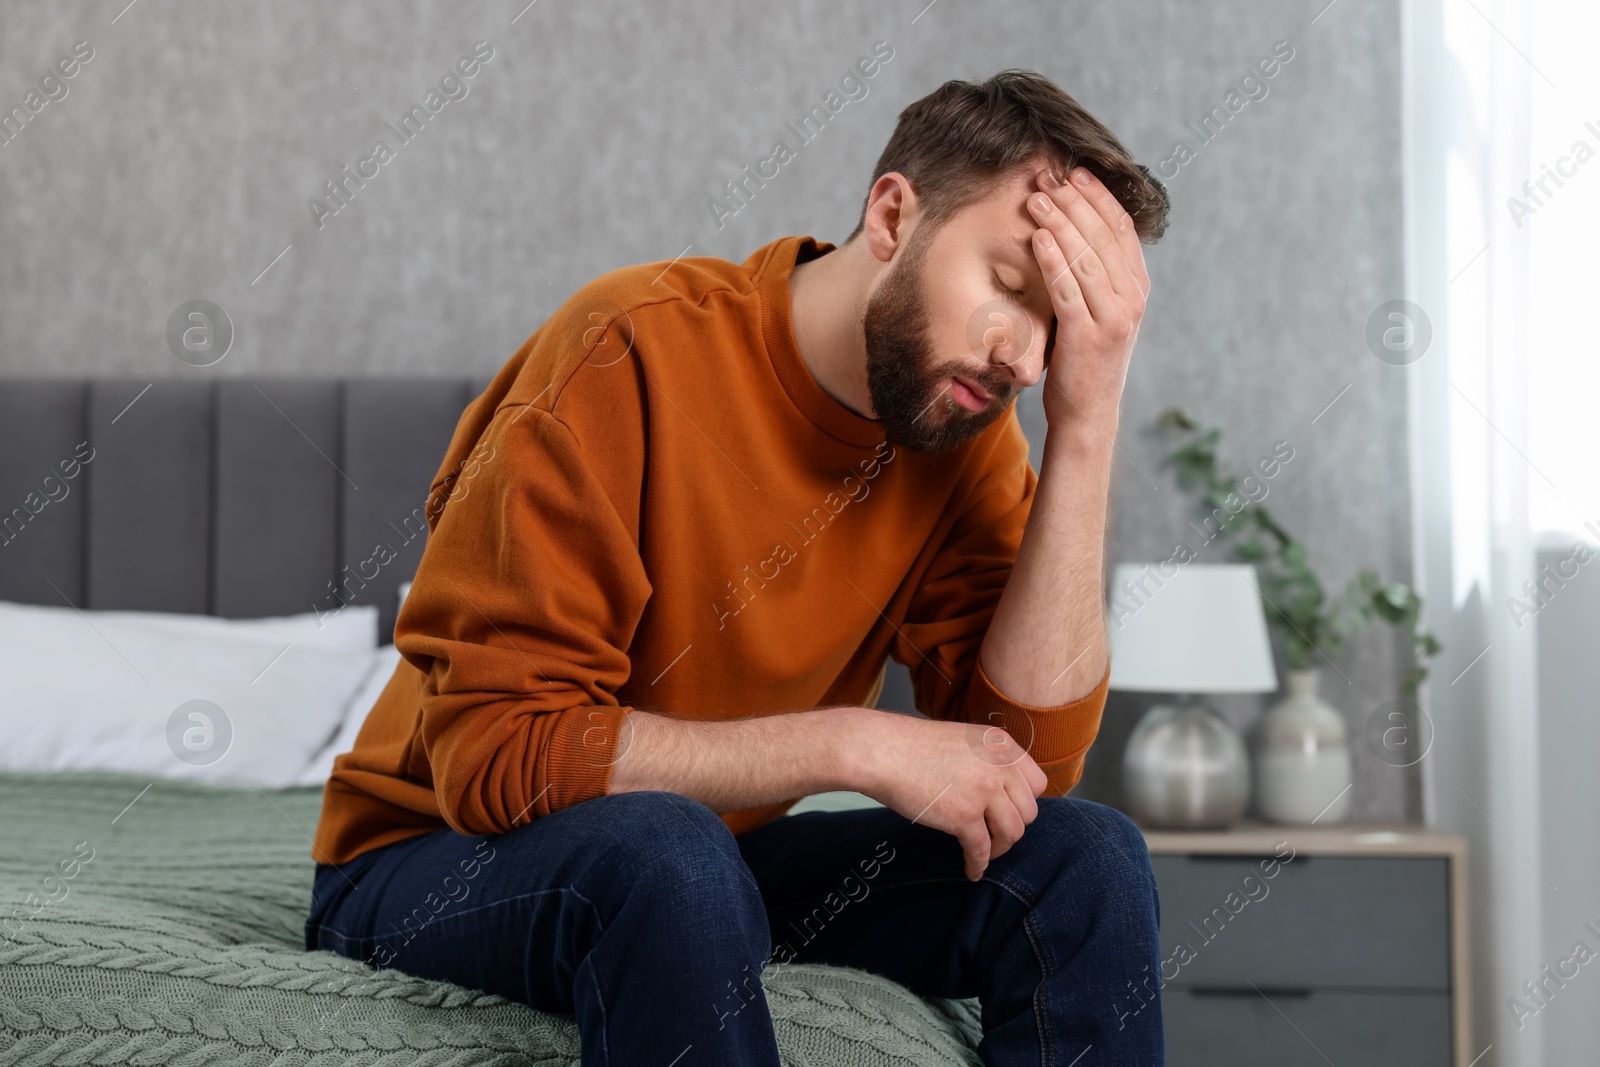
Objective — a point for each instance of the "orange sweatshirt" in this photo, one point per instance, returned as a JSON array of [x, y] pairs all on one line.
[[654, 505]]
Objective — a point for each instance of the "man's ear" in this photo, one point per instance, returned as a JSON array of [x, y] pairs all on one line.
[[891, 205]]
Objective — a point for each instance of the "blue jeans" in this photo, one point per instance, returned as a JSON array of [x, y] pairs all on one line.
[[644, 917]]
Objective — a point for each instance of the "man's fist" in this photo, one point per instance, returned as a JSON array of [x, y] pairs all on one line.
[[973, 782]]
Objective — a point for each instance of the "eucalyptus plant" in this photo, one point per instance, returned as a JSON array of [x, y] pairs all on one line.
[[1303, 618]]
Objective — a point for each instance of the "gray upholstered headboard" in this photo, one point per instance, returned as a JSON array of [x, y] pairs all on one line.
[[232, 497]]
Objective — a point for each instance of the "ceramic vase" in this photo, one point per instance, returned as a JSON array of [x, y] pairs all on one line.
[[1303, 757]]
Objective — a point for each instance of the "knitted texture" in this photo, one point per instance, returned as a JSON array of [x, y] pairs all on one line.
[[165, 925]]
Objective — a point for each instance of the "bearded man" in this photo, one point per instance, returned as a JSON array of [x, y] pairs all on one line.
[[718, 498]]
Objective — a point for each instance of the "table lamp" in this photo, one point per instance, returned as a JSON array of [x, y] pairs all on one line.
[[1187, 630]]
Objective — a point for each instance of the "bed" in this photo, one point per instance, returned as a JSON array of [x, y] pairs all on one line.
[[150, 920]]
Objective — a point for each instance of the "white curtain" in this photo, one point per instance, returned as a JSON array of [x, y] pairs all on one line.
[[1474, 83]]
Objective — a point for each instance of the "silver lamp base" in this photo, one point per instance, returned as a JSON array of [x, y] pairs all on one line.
[[1185, 768]]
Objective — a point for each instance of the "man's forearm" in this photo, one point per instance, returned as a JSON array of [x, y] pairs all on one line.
[[950, 776], [744, 763], [1046, 644]]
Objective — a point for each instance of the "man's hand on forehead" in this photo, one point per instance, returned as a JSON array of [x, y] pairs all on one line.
[[1088, 250]]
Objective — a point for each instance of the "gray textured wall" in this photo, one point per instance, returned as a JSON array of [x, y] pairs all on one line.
[[180, 162]]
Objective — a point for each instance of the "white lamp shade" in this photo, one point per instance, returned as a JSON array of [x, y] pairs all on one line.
[[1190, 628]]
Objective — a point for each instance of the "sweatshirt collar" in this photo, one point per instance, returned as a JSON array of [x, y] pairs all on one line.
[[772, 271]]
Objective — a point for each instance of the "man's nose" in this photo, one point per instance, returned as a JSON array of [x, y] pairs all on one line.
[[1017, 346], [1030, 368]]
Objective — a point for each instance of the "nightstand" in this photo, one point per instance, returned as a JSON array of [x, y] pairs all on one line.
[[1310, 945]]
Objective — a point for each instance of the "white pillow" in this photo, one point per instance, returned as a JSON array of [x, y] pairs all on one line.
[[350, 629], [118, 691], [384, 661]]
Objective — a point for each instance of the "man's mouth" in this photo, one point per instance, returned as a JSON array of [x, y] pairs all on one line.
[[968, 395]]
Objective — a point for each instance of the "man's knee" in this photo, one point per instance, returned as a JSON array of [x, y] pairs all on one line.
[[672, 841], [1096, 840], [653, 817], [684, 872]]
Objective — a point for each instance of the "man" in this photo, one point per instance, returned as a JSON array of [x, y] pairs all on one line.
[[673, 544]]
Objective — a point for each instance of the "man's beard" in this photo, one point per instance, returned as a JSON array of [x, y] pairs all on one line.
[[911, 396]]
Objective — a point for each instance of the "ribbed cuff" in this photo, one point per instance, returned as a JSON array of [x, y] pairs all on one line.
[[577, 760], [1048, 734]]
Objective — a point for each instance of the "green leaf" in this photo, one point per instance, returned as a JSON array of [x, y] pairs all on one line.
[[1175, 419]]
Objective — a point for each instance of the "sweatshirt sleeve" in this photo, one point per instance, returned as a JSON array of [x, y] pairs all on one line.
[[523, 605], [950, 611]]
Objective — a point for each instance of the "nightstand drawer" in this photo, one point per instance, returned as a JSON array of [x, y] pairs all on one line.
[[1245, 1029], [1319, 922]]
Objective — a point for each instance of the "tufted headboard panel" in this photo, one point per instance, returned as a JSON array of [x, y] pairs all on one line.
[[234, 497]]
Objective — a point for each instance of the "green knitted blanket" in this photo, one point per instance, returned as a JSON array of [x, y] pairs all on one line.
[[162, 923]]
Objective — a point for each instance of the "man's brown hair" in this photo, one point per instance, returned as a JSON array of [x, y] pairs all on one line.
[[955, 142]]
